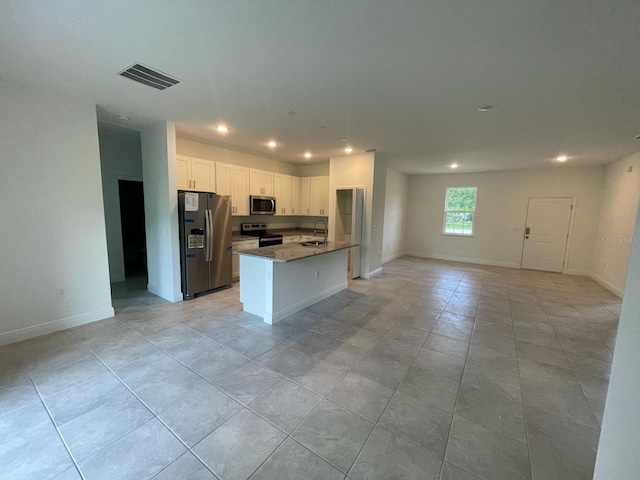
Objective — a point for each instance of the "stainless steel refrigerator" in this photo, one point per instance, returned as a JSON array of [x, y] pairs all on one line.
[[205, 242]]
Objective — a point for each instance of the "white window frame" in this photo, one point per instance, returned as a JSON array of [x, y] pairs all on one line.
[[444, 217]]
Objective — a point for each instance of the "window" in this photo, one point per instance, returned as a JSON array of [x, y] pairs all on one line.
[[459, 209]]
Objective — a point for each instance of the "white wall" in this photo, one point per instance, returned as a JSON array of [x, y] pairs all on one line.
[[191, 148], [500, 214], [161, 210], [358, 171], [53, 231], [395, 215], [377, 218], [617, 457], [120, 159], [617, 215], [316, 170]]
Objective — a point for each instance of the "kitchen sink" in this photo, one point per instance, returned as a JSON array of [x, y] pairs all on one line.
[[317, 243]]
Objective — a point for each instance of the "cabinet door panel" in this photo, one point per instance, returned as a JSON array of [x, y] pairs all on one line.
[[267, 183], [316, 195], [182, 172], [295, 196], [240, 191], [305, 196], [255, 182], [224, 175], [201, 175]]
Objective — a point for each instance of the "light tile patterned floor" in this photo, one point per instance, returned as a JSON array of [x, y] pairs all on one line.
[[433, 370]]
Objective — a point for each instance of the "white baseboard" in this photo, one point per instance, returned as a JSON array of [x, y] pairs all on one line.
[[167, 295], [580, 273], [477, 261], [375, 273], [54, 326], [392, 257], [284, 313], [608, 285]]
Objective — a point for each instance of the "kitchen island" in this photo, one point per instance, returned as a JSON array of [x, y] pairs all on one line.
[[280, 280]]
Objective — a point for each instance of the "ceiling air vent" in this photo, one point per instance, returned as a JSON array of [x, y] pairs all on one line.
[[150, 77]]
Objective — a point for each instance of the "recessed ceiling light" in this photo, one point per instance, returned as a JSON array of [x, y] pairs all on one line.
[[307, 155], [273, 144], [348, 149], [222, 128], [562, 158], [454, 165], [321, 127], [123, 117], [342, 139], [292, 112], [371, 150], [486, 108]]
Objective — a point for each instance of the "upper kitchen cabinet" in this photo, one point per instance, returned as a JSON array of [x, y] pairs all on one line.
[[260, 182], [305, 185], [314, 196], [240, 192], [318, 195], [295, 196], [195, 174], [233, 181], [282, 192]]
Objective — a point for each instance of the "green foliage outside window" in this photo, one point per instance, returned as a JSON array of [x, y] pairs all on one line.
[[460, 206]]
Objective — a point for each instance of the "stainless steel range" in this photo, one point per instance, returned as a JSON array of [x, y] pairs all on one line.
[[260, 230]]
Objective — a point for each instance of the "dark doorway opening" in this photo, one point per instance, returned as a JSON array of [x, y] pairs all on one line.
[[133, 228]]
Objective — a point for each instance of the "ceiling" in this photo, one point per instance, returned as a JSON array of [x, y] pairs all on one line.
[[403, 77]]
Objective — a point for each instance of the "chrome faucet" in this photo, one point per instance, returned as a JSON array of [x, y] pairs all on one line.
[[326, 230]]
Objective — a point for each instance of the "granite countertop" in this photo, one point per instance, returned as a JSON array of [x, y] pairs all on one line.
[[294, 251], [282, 231], [235, 237]]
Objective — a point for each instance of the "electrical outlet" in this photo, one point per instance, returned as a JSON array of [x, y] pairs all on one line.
[[62, 293]]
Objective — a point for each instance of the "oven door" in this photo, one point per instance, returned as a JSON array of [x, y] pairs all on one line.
[[269, 241], [262, 205]]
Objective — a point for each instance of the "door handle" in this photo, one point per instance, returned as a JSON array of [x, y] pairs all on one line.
[[207, 234]]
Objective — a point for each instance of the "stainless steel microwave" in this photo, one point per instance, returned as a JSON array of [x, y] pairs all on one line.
[[262, 205]]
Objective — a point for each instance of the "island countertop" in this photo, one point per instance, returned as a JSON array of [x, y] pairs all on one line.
[[294, 251]]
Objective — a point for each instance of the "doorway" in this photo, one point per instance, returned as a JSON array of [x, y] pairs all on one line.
[[348, 225], [133, 229], [547, 233]]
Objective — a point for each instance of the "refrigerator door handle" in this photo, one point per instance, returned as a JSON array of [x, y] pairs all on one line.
[[210, 233], [207, 229]]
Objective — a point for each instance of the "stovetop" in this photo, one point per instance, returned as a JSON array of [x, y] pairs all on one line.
[[257, 230]]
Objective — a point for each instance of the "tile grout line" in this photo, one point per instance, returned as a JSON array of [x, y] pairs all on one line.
[[155, 416], [455, 406], [55, 425]]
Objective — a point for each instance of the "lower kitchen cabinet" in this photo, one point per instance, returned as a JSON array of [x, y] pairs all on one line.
[[240, 245]]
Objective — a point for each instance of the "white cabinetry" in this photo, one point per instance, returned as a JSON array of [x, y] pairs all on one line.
[[282, 192], [290, 239], [305, 183], [233, 181], [224, 179], [314, 196], [240, 191], [260, 182], [238, 246], [195, 174], [295, 196]]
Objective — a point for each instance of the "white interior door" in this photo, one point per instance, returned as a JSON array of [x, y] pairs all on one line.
[[546, 233], [356, 229]]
